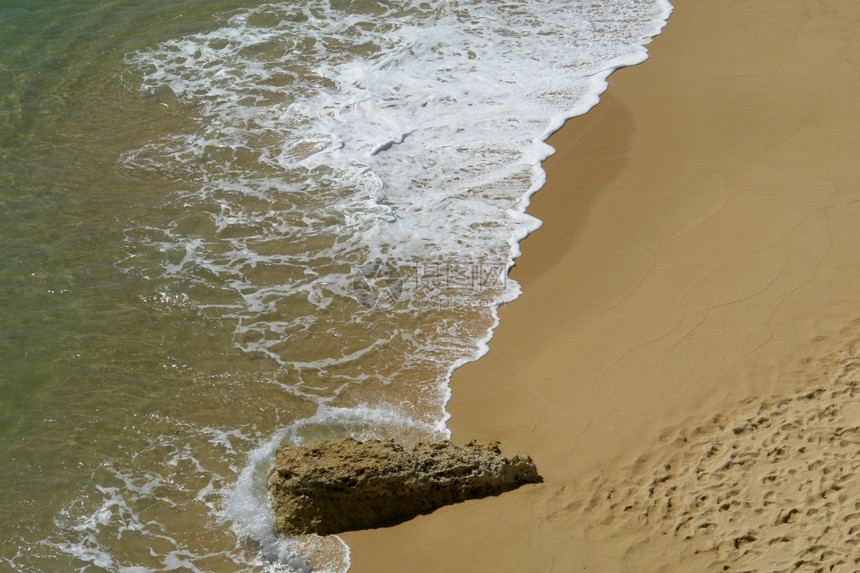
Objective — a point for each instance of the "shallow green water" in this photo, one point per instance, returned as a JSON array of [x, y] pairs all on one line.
[[129, 414], [95, 362]]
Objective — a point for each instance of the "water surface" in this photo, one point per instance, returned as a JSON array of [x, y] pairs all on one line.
[[229, 225]]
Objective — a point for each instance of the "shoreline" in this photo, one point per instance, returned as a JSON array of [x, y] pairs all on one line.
[[697, 258]]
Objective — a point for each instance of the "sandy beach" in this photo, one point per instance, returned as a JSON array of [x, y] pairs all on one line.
[[682, 365]]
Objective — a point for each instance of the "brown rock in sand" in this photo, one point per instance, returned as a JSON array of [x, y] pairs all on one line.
[[339, 485]]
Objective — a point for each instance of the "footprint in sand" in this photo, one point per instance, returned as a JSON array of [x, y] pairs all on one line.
[[769, 487]]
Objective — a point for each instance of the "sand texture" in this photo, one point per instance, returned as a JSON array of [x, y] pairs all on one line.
[[682, 365], [770, 486]]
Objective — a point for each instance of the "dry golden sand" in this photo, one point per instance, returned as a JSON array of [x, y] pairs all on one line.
[[683, 363]]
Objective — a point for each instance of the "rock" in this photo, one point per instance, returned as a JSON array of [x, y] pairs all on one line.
[[339, 485]]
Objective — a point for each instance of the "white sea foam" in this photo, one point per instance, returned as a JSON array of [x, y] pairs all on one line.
[[220, 473], [352, 179], [246, 507], [326, 136]]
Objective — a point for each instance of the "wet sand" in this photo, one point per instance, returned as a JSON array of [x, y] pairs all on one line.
[[682, 363]]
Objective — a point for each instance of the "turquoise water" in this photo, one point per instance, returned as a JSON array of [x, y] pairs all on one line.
[[229, 225]]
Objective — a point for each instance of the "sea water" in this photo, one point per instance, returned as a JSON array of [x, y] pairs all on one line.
[[226, 226]]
